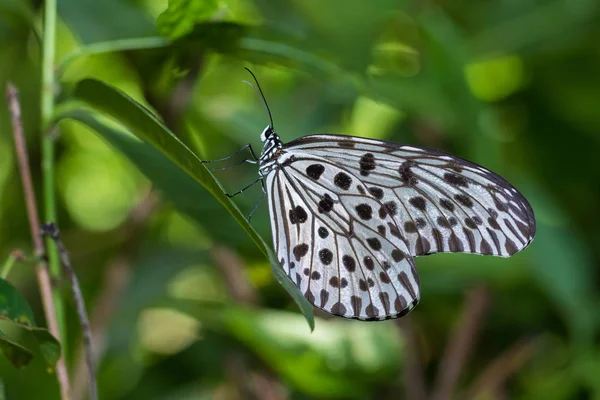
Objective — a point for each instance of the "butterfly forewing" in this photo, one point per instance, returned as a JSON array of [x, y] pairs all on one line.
[[344, 256], [349, 214], [439, 202]]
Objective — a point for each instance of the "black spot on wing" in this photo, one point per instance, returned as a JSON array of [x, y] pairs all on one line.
[[447, 204], [315, 171], [297, 215], [418, 203], [367, 164], [374, 243], [325, 204], [342, 180], [323, 232], [326, 256], [300, 251], [464, 200], [347, 144], [376, 192], [455, 180], [349, 263], [406, 174], [364, 211]]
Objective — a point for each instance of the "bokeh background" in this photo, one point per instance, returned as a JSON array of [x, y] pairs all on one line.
[[183, 303]]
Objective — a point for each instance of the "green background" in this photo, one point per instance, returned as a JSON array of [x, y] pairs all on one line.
[[196, 311]]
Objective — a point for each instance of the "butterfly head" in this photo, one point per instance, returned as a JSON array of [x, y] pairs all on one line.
[[267, 133], [272, 145]]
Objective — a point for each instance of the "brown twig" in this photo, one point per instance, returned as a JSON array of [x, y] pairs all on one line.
[[267, 387], [460, 345], [413, 374], [51, 230], [232, 269], [498, 371], [250, 384], [115, 283], [42, 274]]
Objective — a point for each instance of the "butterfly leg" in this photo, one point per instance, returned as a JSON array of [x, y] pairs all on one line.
[[245, 160], [257, 204], [253, 160], [245, 188], [244, 147]]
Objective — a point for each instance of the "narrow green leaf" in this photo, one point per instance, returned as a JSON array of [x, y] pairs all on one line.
[[287, 284], [146, 126], [143, 124], [18, 355], [14, 308]]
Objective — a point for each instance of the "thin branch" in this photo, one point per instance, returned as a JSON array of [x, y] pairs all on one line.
[[51, 230], [413, 374], [492, 378], [460, 345], [115, 282], [234, 273], [42, 274], [250, 384], [267, 387]]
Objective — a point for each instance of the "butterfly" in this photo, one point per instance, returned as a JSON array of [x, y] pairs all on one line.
[[350, 214]]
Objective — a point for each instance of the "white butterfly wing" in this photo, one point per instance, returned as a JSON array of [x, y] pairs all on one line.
[[330, 240], [439, 202]]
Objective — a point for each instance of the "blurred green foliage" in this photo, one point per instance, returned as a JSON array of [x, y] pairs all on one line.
[[196, 311]]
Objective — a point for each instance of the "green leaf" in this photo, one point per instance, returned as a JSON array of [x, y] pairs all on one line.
[[102, 21], [142, 123], [14, 308], [181, 16], [49, 346], [18, 355], [261, 45]]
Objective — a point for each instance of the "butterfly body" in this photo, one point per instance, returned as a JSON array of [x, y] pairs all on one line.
[[349, 215]]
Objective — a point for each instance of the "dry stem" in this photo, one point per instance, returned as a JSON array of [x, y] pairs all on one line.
[[42, 274]]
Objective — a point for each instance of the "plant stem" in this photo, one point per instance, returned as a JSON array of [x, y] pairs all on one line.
[[47, 111], [41, 270], [116, 280], [51, 230], [461, 344]]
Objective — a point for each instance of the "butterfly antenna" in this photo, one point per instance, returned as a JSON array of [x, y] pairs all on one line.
[[260, 94]]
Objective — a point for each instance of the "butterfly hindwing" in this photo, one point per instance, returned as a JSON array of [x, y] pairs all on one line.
[[345, 256], [439, 202]]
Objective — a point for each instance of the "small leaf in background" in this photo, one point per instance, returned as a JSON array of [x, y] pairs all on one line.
[[14, 308], [181, 16], [105, 20], [49, 346], [496, 78], [18, 355]]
